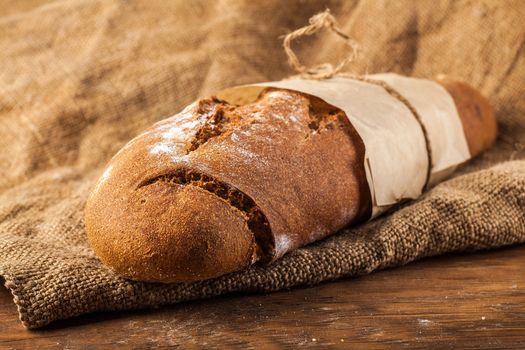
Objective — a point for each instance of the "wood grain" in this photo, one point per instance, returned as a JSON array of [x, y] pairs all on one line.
[[457, 301]]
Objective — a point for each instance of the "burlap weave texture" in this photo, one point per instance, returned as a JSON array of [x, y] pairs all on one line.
[[78, 79]]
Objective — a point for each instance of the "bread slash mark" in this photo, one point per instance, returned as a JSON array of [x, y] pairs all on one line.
[[256, 220], [219, 115]]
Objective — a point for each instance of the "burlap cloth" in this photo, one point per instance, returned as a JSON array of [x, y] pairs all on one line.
[[78, 79]]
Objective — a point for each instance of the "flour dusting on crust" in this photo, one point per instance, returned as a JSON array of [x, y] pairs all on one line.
[[173, 134], [282, 244]]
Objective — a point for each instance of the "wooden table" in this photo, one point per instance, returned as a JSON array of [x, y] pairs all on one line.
[[456, 301]]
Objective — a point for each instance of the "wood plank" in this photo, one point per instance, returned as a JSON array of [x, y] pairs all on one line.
[[468, 301]]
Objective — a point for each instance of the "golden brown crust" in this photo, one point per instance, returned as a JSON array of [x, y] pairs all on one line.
[[293, 161], [218, 187], [164, 230], [476, 113]]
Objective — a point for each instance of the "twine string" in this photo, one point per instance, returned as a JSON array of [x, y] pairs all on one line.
[[324, 70], [327, 70]]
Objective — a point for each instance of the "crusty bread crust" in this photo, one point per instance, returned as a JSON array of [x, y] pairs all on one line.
[[218, 187], [476, 113]]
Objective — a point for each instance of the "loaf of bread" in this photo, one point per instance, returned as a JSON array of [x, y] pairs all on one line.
[[218, 187]]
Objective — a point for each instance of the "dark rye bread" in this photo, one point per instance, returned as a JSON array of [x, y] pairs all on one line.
[[219, 187]]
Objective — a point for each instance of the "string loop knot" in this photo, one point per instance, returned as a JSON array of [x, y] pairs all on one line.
[[324, 70]]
